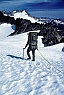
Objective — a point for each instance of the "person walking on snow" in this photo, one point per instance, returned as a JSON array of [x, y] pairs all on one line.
[[32, 44]]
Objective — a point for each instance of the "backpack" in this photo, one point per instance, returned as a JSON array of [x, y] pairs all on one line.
[[33, 40]]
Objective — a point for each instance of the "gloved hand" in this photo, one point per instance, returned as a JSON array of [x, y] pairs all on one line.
[[23, 48]]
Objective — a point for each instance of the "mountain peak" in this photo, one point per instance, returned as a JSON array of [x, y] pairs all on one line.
[[24, 12]]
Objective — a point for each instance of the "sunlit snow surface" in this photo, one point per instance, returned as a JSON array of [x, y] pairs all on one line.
[[19, 76], [6, 29]]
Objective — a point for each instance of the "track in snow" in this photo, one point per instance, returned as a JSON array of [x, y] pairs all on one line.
[[21, 77]]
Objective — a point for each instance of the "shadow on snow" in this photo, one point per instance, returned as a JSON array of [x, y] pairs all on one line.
[[12, 56]]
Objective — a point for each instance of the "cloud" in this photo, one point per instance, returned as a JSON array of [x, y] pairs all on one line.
[[31, 5], [45, 5], [30, 1], [49, 13]]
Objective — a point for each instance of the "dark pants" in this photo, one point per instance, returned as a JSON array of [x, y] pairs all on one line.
[[33, 53]]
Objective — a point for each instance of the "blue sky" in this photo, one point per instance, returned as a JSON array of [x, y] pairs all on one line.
[[38, 8]]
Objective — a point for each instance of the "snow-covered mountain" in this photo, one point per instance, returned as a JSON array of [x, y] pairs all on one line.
[[23, 14], [18, 76], [59, 21]]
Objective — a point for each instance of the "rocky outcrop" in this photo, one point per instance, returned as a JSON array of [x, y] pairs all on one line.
[[6, 19], [51, 34], [49, 31], [23, 25]]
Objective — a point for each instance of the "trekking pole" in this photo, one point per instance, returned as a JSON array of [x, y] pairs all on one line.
[[23, 52]]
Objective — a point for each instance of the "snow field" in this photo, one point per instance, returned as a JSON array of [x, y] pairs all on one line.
[[19, 76]]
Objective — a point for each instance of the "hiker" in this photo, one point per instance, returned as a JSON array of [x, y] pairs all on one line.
[[32, 44]]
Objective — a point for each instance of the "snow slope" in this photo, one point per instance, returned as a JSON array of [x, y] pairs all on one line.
[[5, 30], [19, 76]]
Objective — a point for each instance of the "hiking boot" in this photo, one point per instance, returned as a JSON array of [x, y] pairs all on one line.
[[33, 59]]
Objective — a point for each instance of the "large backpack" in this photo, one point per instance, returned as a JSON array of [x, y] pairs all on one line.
[[33, 40]]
